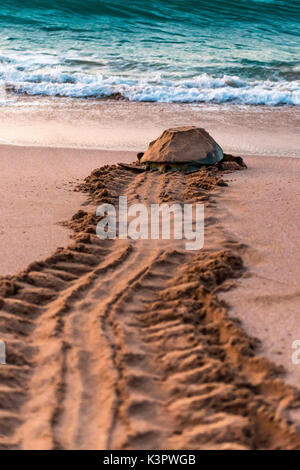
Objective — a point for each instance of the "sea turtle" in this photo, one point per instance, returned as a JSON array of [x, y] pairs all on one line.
[[181, 148]]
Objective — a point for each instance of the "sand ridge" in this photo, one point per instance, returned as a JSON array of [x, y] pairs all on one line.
[[122, 344]]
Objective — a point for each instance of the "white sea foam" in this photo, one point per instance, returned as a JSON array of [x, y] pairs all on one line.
[[200, 89]]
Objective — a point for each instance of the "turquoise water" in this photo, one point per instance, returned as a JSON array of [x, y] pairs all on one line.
[[236, 51]]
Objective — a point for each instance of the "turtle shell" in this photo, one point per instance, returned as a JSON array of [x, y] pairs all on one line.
[[182, 145]]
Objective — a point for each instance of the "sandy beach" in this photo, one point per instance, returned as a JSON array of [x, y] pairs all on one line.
[[128, 344], [149, 229]]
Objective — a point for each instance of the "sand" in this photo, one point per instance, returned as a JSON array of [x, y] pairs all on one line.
[[260, 208], [36, 193], [115, 125], [127, 344]]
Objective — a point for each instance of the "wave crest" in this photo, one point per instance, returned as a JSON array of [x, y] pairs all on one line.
[[201, 89]]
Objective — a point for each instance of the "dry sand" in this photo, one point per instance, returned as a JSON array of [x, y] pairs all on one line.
[[123, 344], [260, 208], [36, 193]]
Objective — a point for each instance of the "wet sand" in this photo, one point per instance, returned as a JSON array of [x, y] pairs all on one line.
[[115, 125]]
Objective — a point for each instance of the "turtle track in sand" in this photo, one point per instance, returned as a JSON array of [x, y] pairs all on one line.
[[121, 344]]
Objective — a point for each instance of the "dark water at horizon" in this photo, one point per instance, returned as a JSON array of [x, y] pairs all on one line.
[[236, 51]]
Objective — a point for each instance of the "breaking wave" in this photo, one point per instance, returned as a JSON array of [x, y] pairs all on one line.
[[234, 51], [201, 89]]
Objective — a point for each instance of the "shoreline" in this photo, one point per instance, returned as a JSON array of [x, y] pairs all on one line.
[[120, 126]]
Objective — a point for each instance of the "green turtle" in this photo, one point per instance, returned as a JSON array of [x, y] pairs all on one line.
[[181, 148]]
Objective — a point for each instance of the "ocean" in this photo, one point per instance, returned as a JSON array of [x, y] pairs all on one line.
[[238, 52]]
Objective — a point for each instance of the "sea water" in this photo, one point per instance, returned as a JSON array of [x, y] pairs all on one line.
[[243, 52]]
